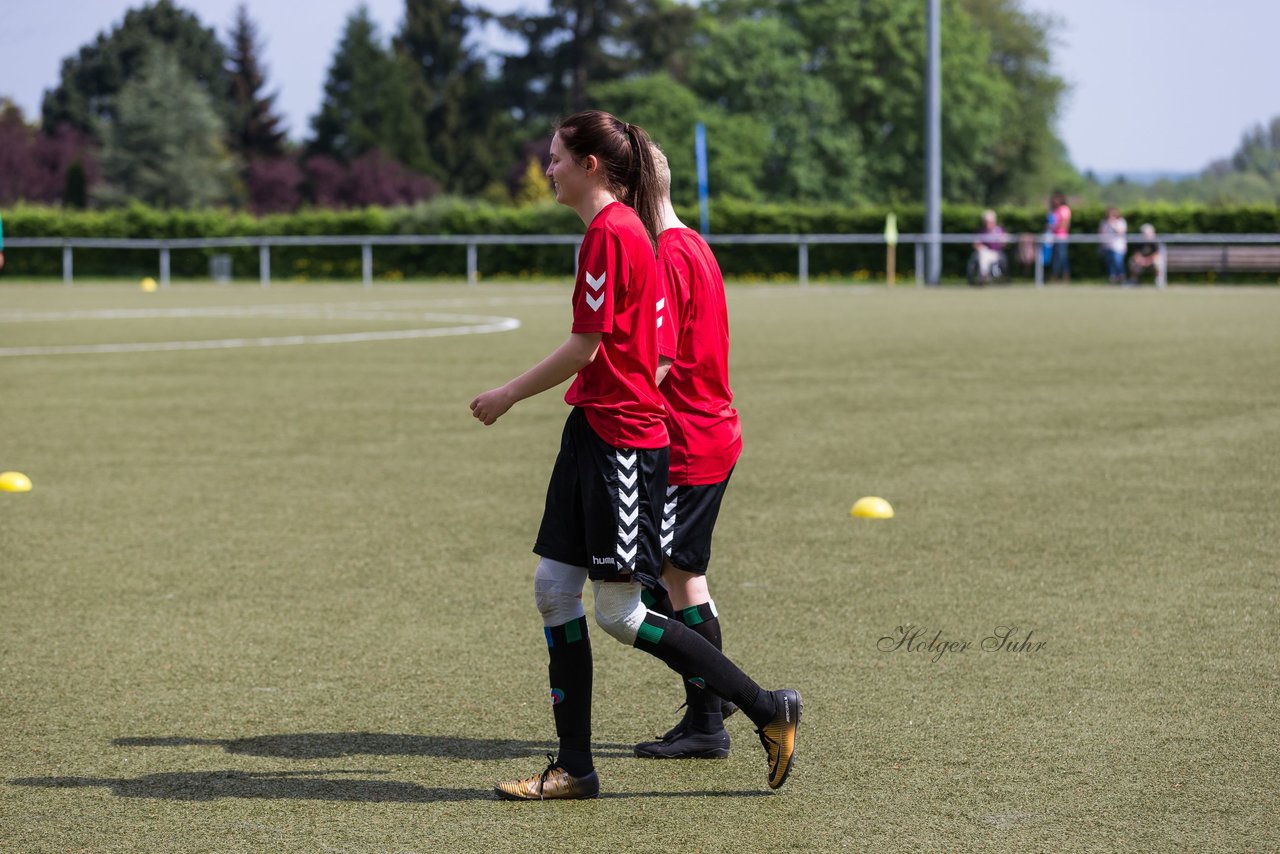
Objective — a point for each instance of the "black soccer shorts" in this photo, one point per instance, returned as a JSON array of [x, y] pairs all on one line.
[[604, 506], [688, 519]]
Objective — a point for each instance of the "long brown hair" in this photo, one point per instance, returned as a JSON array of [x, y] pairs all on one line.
[[626, 158]]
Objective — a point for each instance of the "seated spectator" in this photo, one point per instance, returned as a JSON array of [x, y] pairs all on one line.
[[1147, 257], [988, 260], [1113, 246]]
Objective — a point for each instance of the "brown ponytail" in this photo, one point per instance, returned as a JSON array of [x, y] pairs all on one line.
[[626, 157]]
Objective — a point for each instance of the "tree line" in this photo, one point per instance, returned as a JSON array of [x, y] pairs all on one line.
[[804, 101]]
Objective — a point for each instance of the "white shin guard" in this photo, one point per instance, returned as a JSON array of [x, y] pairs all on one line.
[[619, 610], [557, 591]]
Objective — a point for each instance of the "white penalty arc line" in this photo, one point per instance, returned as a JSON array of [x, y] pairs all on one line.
[[484, 326]]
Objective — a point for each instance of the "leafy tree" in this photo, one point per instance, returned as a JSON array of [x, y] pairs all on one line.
[[91, 80], [273, 184], [578, 44], [256, 129], [39, 167], [809, 152], [534, 188], [870, 60], [468, 142], [669, 112], [1027, 156], [75, 188], [368, 100], [165, 145]]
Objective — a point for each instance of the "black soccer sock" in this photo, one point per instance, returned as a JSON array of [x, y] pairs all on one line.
[[704, 707], [569, 670], [689, 654]]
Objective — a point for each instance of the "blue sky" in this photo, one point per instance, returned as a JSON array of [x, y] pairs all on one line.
[[1158, 85]]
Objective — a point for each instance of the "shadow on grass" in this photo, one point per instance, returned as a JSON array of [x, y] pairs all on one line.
[[282, 785], [301, 785], [331, 745]]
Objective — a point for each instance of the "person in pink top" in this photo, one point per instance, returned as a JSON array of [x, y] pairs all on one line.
[[706, 440], [605, 498], [1060, 227]]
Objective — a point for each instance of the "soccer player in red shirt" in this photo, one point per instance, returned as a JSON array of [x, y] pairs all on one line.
[[706, 439], [604, 501]]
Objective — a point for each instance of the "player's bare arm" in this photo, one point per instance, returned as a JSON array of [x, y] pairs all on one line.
[[573, 355]]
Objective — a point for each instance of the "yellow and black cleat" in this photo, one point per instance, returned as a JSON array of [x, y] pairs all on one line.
[[553, 783]]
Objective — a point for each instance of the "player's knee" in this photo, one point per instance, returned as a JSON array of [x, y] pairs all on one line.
[[619, 610], [557, 591]]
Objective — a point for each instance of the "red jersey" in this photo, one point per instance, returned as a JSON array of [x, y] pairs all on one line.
[[706, 437], [617, 293]]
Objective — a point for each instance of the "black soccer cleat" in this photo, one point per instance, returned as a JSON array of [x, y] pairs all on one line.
[[726, 709], [778, 736], [687, 744]]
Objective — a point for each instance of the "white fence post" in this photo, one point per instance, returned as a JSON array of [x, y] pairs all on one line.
[[472, 275], [66, 264], [264, 265], [164, 266], [804, 264], [366, 264]]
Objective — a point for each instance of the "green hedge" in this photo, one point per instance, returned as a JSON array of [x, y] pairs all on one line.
[[456, 217]]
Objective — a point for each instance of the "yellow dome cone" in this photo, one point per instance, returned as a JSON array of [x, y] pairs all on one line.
[[872, 507], [14, 481]]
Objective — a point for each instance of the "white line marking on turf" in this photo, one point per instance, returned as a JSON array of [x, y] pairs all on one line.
[[471, 324]]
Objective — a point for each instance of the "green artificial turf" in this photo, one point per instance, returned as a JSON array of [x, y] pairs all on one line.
[[279, 599]]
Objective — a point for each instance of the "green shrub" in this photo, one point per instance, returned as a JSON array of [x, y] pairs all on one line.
[[453, 216]]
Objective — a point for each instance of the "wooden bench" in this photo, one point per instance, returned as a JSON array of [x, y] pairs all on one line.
[[1182, 258]]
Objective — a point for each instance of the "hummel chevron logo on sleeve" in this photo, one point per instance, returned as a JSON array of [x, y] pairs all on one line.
[[595, 283], [662, 303]]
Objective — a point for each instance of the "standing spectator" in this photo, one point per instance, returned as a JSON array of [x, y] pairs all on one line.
[[1147, 257], [1060, 227], [1114, 245]]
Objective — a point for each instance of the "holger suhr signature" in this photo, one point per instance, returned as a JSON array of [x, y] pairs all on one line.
[[934, 645]]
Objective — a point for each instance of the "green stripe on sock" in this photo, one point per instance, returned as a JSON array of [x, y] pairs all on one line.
[[691, 616], [649, 633], [573, 631]]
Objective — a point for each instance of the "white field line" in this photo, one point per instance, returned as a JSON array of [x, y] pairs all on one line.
[[471, 324]]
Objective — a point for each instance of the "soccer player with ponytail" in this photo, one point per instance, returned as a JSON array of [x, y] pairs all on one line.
[[602, 518]]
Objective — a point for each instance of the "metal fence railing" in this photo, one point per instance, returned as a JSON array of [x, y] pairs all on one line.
[[473, 242]]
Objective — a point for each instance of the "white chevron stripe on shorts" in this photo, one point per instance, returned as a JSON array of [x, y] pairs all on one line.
[[628, 510], [668, 520]]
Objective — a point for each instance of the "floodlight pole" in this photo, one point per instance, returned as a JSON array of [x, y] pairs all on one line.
[[933, 143]]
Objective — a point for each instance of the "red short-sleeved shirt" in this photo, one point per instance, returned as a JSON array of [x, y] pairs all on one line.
[[706, 436], [617, 293]]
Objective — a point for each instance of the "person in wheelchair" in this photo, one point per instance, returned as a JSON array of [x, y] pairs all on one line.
[[988, 262]]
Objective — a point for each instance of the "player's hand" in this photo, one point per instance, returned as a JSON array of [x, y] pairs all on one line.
[[491, 405]]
